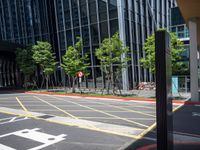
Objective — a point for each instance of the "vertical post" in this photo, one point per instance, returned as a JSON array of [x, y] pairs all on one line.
[[122, 34], [163, 91], [193, 62]]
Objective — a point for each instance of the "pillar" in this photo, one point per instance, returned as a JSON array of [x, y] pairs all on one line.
[[193, 62], [122, 33]]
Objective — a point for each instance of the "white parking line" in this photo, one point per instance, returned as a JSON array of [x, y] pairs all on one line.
[[6, 119], [12, 119]]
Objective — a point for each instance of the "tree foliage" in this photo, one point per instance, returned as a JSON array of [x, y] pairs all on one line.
[[177, 48], [25, 62], [110, 54], [44, 57], [74, 61]]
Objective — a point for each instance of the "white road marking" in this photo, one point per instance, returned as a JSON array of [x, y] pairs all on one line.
[[35, 135], [3, 147], [12, 119], [195, 114], [6, 118]]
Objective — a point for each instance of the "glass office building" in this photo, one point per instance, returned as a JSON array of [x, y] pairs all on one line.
[[179, 27], [61, 21], [9, 74]]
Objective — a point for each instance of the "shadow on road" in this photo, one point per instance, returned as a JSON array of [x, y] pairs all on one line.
[[10, 91]]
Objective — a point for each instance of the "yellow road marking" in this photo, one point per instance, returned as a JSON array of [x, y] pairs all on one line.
[[154, 125], [100, 130], [75, 110], [132, 104], [176, 108], [20, 103], [65, 112], [145, 119], [72, 124], [96, 110], [140, 107], [10, 113], [126, 109]]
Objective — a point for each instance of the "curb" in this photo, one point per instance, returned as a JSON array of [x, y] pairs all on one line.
[[186, 102]]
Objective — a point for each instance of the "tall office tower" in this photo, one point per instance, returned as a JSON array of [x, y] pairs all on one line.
[[95, 20], [24, 22], [61, 21]]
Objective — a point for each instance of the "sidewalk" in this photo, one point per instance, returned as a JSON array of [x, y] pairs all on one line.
[[136, 93]]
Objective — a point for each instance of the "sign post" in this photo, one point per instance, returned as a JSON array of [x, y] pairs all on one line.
[[163, 91], [80, 75]]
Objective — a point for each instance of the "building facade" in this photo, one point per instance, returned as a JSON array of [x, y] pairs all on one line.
[[61, 21], [179, 27], [9, 73], [190, 12]]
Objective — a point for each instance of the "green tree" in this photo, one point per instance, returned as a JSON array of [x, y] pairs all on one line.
[[177, 48], [110, 54], [44, 57], [74, 61], [25, 63]]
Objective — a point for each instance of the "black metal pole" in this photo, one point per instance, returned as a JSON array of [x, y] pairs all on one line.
[[163, 91]]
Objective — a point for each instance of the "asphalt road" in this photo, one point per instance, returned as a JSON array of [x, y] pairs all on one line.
[[186, 122], [23, 133], [82, 123]]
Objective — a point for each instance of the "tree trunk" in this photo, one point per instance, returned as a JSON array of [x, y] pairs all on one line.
[[108, 88], [73, 85], [47, 80], [26, 79], [112, 79], [113, 83], [41, 86]]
